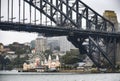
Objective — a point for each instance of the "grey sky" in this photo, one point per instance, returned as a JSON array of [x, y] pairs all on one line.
[[98, 5]]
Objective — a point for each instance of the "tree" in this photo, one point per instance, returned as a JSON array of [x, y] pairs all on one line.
[[18, 62], [5, 63], [8, 65], [19, 48], [47, 53], [73, 56], [1, 62]]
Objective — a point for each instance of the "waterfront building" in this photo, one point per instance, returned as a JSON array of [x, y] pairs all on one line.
[[52, 63]]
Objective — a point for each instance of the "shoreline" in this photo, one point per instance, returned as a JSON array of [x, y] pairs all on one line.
[[60, 71]]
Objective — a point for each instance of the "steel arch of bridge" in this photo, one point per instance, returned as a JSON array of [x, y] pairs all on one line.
[[72, 15], [86, 29]]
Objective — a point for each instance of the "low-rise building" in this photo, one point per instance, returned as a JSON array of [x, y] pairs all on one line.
[[39, 65], [53, 63]]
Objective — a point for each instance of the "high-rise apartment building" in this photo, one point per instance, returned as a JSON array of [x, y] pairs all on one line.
[[40, 44], [40, 47]]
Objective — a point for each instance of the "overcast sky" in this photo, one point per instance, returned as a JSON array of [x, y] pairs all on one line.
[[98, 5]]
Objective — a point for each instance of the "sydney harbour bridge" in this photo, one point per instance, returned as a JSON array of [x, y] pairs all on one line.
[[86, 29]]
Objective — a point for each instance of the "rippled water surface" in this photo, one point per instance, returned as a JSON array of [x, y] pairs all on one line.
[[20, 76]]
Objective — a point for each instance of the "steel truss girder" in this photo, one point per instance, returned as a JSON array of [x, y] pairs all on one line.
[[97, 49], [41, 10], [94, 21]]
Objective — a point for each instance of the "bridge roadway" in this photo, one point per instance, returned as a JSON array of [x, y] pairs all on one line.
[[55, 30]]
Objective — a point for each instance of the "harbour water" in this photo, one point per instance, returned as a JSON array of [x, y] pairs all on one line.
[[32, 76]]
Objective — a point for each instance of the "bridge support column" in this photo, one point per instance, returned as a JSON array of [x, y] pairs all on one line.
[[99, 50], [85, 47]]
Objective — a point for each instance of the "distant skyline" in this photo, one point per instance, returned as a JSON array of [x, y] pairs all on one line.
[[7, 37]]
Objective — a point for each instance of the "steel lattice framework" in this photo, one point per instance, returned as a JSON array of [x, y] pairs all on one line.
[[85, 28]]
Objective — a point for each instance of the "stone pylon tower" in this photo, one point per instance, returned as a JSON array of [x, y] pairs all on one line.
[[111, 16]]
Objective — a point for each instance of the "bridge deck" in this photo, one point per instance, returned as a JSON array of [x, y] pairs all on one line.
[[54, 31]]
